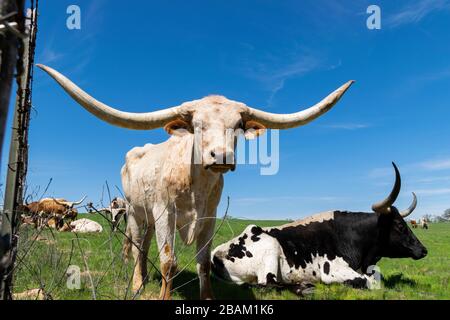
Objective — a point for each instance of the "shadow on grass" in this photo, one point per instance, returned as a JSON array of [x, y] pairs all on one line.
[[188, 288], [398, 279]]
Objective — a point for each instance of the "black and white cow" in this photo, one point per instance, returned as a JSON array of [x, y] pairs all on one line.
[[119, 209], [331, 247]]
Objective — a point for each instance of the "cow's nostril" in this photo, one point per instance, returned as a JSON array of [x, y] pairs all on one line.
[[213, 154]]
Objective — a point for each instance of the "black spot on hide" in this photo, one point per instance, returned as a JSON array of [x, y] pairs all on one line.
[[357, 283], [256, 231], [326, 267]]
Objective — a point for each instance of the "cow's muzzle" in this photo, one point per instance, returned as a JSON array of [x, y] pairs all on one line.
[[221, 168], [420, 253]]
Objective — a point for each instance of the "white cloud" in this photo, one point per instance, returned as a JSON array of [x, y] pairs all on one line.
[[347, 126], [414, 13], [276, 79], [380, 173], [418, 167], [434, 179], [254, 200], [433, 192], [273, 68], [49, 55], [441, 164]]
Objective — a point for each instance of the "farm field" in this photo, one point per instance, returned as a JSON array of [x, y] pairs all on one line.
[[43, 263]]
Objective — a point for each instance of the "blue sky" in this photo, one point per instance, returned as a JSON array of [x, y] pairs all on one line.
[[273, 55]]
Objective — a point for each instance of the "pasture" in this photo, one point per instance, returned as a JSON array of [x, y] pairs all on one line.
[[43, 258]]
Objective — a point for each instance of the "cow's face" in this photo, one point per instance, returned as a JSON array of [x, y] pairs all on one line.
[[72, 213], [401, 241], [216, 123]]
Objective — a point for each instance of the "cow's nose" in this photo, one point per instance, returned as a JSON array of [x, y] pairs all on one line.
[[222, 157], [424, 252]]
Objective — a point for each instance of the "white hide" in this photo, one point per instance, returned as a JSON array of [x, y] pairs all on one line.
[[85, 226]]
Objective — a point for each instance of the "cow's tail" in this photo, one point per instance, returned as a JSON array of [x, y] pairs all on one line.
[[127, 243]]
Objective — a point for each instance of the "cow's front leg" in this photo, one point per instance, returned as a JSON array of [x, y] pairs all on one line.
[[134, 231], [267, 268], [165, 236], [204, 242], [346, 275]]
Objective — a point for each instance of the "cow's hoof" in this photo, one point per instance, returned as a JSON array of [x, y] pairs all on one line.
[[304, 289], [207, 296]]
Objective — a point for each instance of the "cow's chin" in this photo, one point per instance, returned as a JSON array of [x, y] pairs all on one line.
[[221, 168]]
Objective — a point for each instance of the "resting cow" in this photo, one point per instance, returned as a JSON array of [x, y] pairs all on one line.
[[49, 212], [85, 226], [331, 247]]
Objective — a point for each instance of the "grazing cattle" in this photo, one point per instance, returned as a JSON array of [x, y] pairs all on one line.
[[85, 226], [119, 210], [424, 223], [177, 184], [51, 212], [331, 247], [413, 224]]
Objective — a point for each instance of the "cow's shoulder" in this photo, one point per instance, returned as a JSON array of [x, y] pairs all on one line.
[[252, 238], [138, 152], [319, 217]]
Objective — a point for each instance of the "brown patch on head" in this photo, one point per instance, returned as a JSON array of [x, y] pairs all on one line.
[[176, 126], [253, 129]]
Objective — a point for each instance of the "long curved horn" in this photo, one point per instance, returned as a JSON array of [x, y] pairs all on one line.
[[292, 120], [78, 202], [129, 120], [63, 203], [385, 205], [411, 208]]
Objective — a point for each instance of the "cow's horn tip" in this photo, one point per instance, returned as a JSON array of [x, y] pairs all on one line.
[[43, 66]]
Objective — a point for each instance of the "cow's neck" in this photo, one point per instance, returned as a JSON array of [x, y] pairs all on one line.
[[361, 230]]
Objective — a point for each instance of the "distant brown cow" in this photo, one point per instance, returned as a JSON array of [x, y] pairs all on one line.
[[51, 212], [413, 224]]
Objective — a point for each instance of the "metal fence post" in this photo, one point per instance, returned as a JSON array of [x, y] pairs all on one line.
[[17, 163]]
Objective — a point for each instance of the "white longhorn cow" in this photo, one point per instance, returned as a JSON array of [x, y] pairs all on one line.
[[166, 188]]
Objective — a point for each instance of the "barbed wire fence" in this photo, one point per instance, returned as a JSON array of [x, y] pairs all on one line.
[[24, 28]]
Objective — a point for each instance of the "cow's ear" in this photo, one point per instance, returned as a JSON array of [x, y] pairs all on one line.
[[253, 129], [178, 127]]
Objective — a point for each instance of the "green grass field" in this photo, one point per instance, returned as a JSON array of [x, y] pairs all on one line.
[[43, 263]]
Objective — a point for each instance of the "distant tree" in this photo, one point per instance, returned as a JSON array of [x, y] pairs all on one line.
[[446, 214]]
